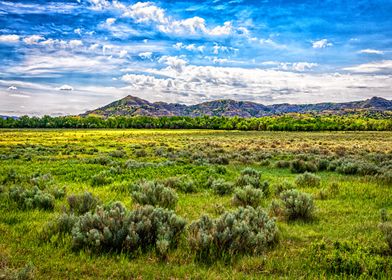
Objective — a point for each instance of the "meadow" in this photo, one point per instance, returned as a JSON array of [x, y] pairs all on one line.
[[323, 200]]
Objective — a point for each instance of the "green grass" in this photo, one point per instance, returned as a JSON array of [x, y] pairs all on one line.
[[352, 214]]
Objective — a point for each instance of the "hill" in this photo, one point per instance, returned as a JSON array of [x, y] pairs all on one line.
[[134, 106]]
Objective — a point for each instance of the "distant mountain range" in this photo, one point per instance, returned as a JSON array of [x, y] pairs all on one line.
[[134, 106]]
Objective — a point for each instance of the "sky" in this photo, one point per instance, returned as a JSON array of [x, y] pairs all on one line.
[[66, 57]]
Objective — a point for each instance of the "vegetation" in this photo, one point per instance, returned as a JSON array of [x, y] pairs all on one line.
[[125, 204], [288, 122]]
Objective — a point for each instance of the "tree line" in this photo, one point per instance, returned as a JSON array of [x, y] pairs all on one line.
[[289, 122]]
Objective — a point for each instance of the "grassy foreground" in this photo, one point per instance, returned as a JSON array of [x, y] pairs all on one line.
[[347, 202]]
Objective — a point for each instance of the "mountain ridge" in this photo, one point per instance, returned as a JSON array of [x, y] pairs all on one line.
[[135, 106]]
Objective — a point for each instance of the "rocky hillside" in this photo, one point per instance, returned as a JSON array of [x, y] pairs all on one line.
[[134, 106]]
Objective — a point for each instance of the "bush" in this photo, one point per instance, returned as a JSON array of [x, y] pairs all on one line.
[[283, 186], [32, 198], [386, 227], [59, 193], [348, 168], [307, 180], [118, 154], [386, 177], [244, 231], [181, 183], [116, 229], [300, 166], [282, 164], [101, 179], [42, 181], [61, 226], [249, 176], [82, 203], [297, 205], [155, 194], [247, 196], [221, 187]]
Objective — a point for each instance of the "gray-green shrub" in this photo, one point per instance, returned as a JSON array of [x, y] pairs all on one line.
[[114, 228], [247, 196], [155, 194], [82, 203], [297, 205], [222, 187], [307, 180], [32, 198], [244, 231]]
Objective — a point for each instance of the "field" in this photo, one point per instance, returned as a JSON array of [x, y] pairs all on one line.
[[350, 187]]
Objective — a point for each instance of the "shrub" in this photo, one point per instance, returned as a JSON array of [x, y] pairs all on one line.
[[283, 186], [220, 160], [385, 176], [300, 166], [181, 183], [118, 154], [102, 160], [348, 168], [244, 231], [155, 194], [101, 179], [82, 203], [58, 193], [251, 177], [282, 164], [116, 229], [41, 181], [297, 205], [247, 196], [221, 187], [61, 226], [32, 198], [386, 227], [322, 164], [307, 180]]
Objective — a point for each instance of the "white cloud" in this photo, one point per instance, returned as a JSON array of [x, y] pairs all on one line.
[[78, 31], [9, 38], [75, 43], [33, 39], [65, 87], [145, 55], [190, 47], [64, 62], [321, 44], [193, 84], [110, 21], [173, 62], [99, 4], [371, 51], [149, 13], [290, 66], [384, 66], [270, 43], [123, 53]]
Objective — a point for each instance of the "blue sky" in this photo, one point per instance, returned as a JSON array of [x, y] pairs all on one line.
[[65, 57]]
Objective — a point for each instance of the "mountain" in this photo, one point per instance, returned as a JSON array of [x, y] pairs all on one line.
[[134, 106]]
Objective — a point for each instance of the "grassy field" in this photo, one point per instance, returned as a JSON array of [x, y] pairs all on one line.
[[342, 239]]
